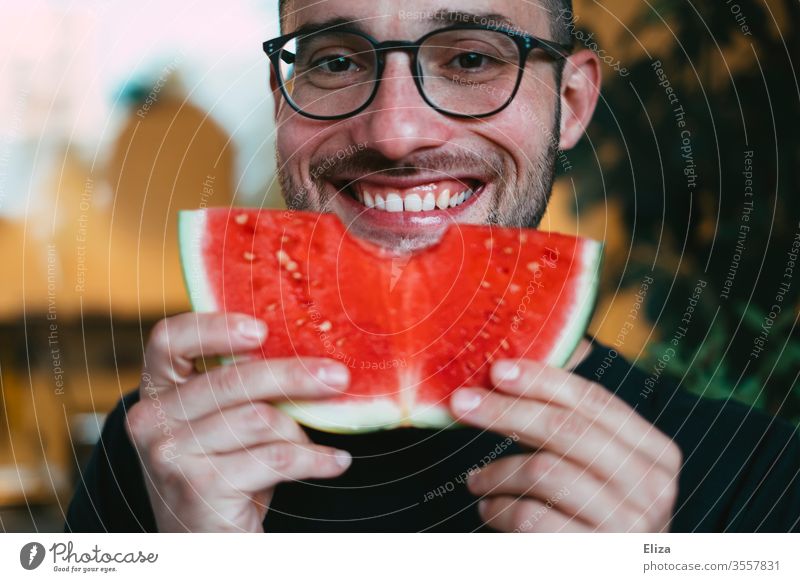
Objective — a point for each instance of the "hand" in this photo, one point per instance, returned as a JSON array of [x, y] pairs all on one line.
[[212, 446], [596, 464]]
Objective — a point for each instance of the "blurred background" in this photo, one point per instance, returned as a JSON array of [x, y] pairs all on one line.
[[114, 115]]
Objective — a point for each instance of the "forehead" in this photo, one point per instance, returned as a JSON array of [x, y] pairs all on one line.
[[410, 18]]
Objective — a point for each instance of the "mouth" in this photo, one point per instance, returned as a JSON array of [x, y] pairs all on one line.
[[406, 213], [434, 196]]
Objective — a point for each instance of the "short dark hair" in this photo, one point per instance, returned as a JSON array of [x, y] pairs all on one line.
[[561, 18]]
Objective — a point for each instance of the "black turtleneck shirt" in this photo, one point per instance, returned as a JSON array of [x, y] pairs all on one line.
[[741, 470]]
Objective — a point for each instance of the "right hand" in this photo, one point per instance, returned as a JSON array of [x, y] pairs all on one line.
[[212, 446]]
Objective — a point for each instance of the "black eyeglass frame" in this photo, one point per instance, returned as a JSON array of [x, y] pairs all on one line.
[[525, 43]]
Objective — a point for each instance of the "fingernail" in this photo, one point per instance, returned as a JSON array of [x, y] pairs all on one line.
[[343, 458], [252, 329], [482, 506], [506, 371], [334, 375], [465, 400]]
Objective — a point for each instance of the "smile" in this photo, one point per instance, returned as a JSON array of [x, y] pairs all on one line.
[[399, 196]]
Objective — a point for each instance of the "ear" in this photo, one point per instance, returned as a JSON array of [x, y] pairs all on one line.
[[580, 89]]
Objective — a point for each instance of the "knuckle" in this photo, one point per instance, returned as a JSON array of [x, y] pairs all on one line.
[[540, 466], [159, 336], [521, 513], [138, 421], [157, 461], [261, 418], [280, 456], [595, 396], [260, 414], [228, 383], [567, 421], [674, 455], [300, 374]]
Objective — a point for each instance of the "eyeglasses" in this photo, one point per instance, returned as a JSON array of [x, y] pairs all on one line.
[[463, 71]]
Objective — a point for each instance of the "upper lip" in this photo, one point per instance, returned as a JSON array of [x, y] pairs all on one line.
[[407, 181]]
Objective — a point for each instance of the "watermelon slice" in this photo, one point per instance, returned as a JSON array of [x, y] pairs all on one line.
[[411, 327]]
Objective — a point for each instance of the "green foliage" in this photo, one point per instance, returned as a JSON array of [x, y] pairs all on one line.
[[694, 227]]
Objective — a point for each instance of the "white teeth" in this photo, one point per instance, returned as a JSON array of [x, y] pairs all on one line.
[[394, 203], [412, 203], [443, 199]]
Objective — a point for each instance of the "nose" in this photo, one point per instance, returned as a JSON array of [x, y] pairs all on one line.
[[398, 122]]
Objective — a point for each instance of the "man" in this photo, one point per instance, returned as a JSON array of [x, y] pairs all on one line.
[[479, 103]]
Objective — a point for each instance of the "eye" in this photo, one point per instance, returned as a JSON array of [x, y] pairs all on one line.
[[336, 64], [470, 60]]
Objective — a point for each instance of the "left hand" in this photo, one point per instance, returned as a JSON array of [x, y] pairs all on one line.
[[595, 465]]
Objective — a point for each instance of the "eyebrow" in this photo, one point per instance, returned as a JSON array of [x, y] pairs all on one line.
[[439, 16]]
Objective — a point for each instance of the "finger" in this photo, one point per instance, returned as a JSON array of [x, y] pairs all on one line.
[[509, 514], [533, 380], [176, 341], [555, 429], [550, 479], [234, 429], [263, 380], [265, 466]]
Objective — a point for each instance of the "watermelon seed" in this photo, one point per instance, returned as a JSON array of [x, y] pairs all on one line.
[[291, 266], [470, 347], [488, 243], [485, 284], [296, 275], [339, 342], [504, 344], [484, 335], [514, 288], [488, 356], [299, 322], [533, 267], [240, 218], [508, 251], [272, 306], [325, 326], [283, 258], [284, 238], [248, 256], [523, 237]]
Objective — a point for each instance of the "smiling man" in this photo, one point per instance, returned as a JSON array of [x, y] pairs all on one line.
[[403, 123]]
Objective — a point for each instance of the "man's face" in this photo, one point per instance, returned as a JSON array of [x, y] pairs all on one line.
[[401, 148]]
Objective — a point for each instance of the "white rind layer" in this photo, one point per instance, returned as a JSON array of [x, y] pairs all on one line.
[[191, 234], [346, 417], [583, 306]]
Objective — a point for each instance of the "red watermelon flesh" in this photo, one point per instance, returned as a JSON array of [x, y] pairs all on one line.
[[411, 327]]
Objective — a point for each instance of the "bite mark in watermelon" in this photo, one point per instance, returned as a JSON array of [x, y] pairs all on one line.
[[411, 327]]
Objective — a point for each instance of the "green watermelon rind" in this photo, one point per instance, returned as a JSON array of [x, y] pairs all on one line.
[[586, 302], [191, 229], [350, 417]]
